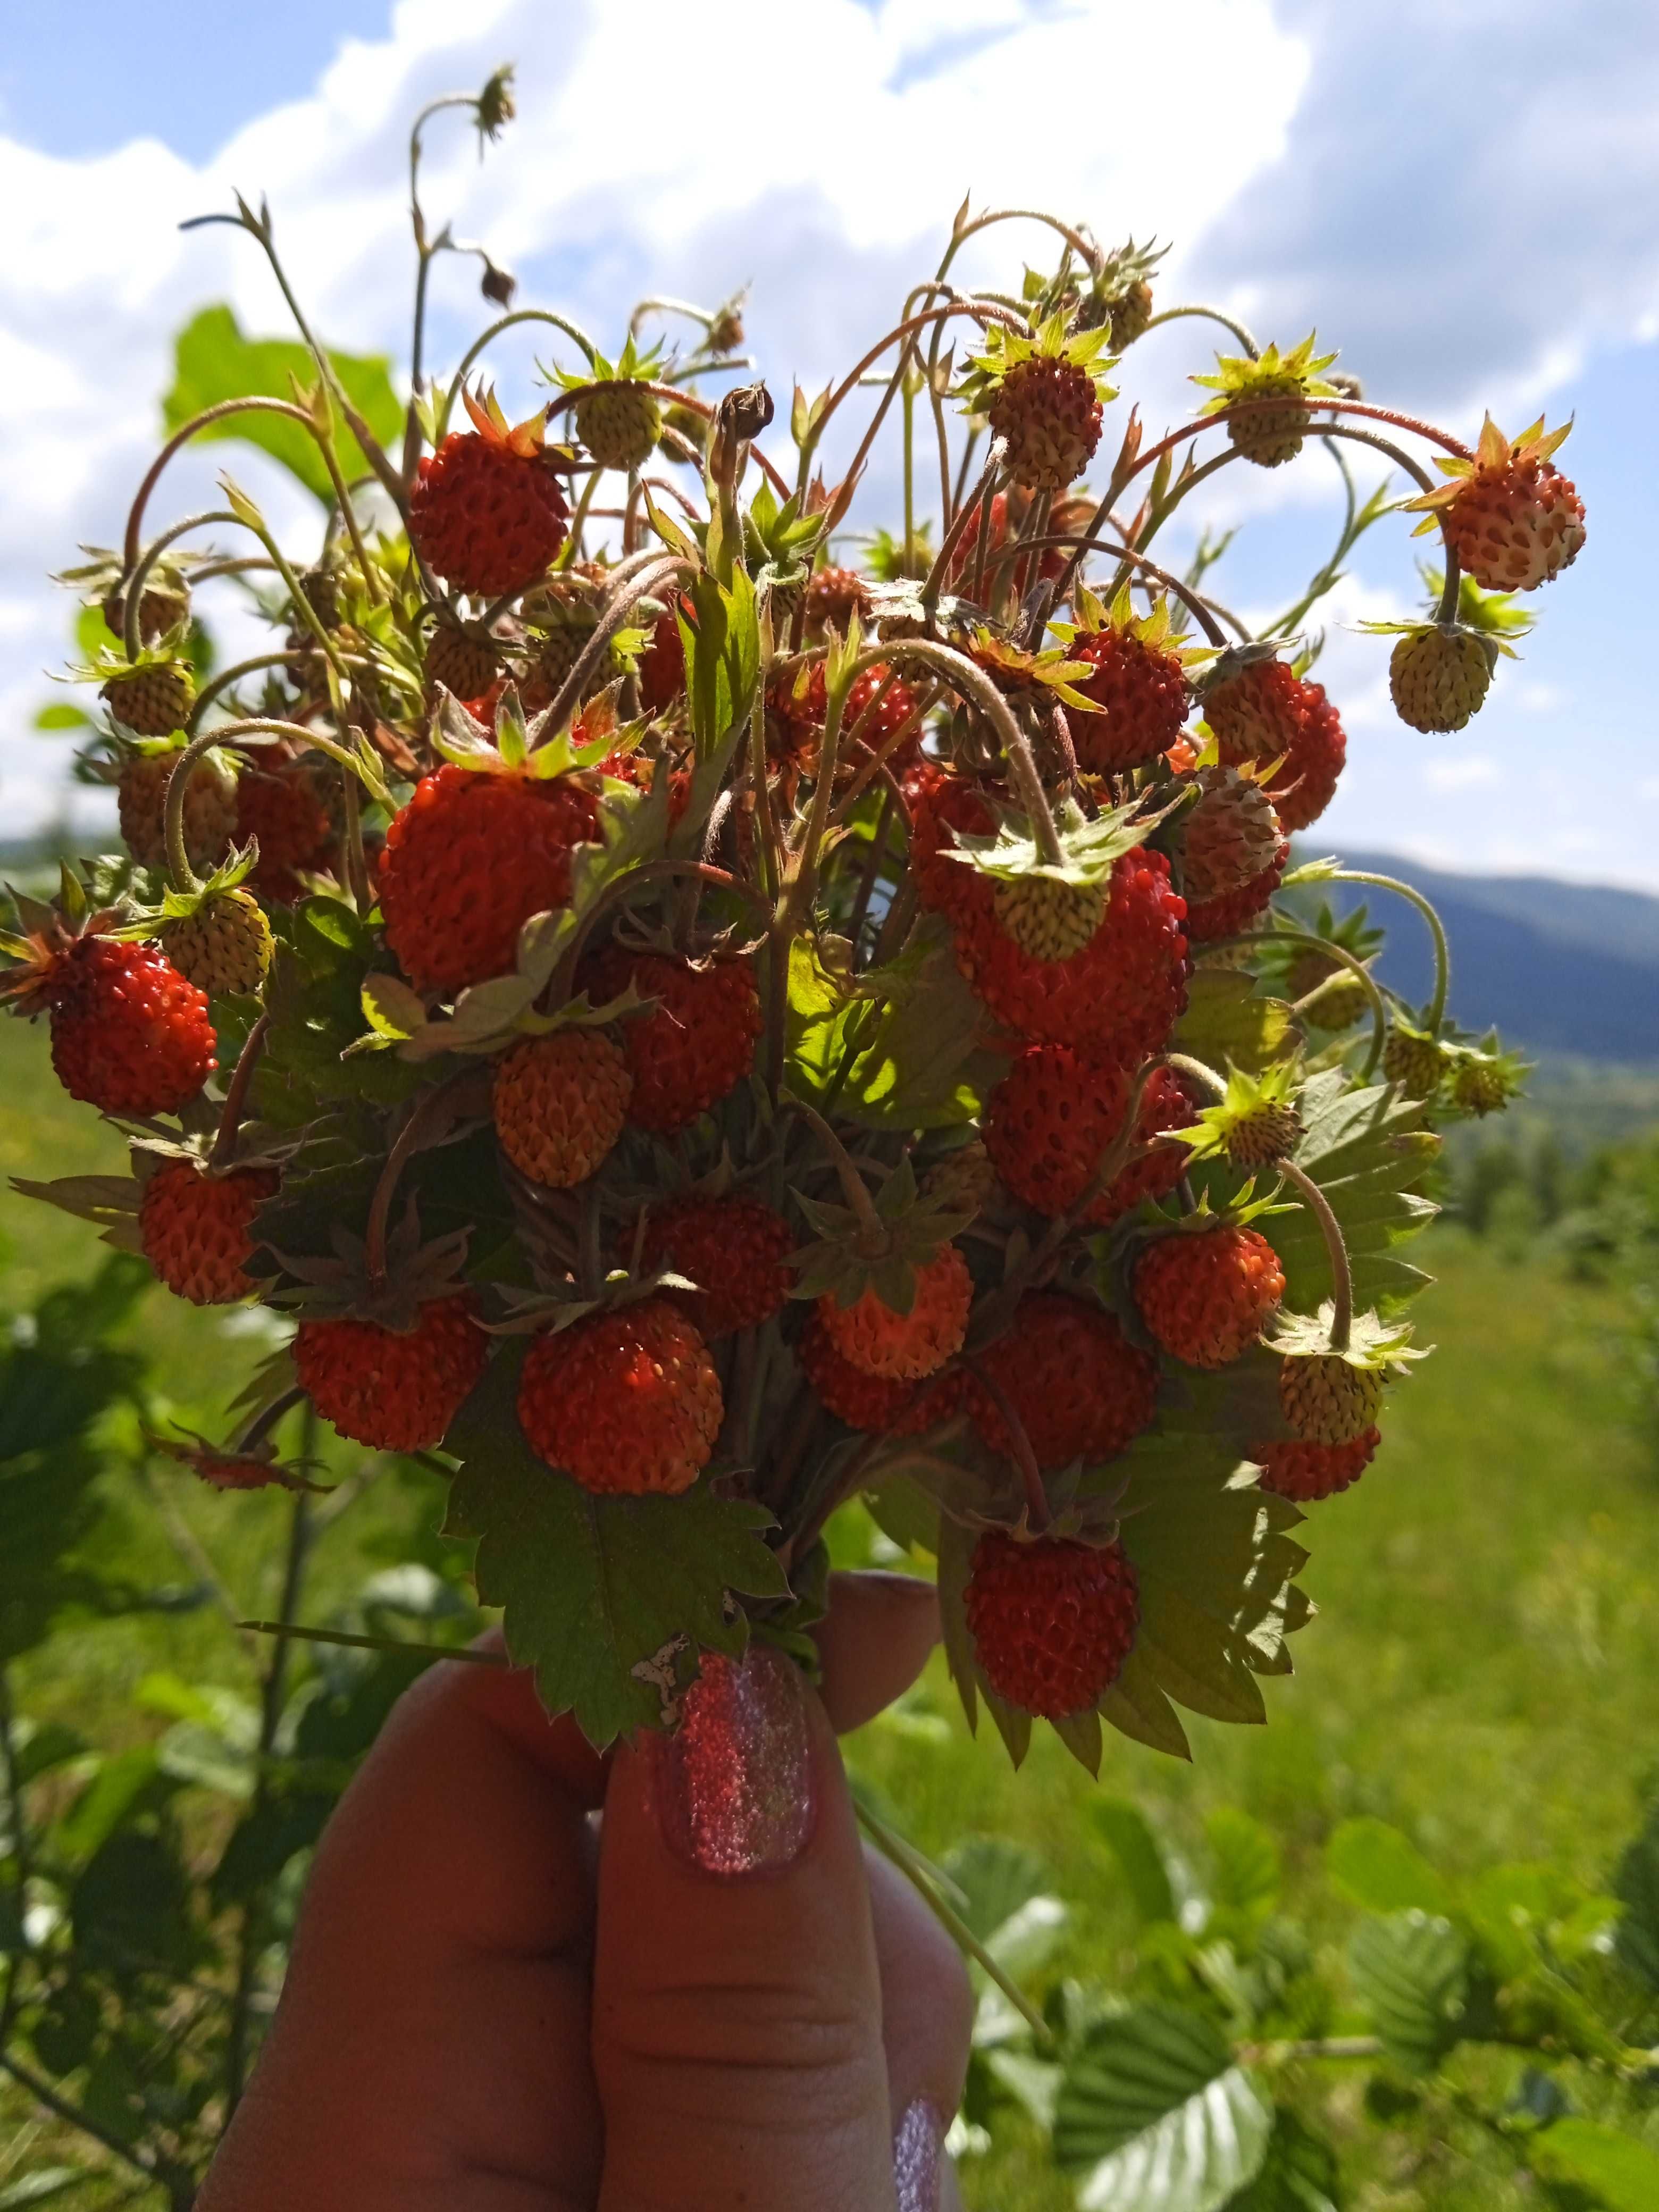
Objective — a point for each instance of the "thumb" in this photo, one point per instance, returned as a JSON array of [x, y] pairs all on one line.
[[737, 2005]]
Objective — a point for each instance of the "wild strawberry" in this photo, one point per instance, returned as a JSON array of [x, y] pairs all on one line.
[[619, 423], [1121, 995], [209, 808], [1141, 689], [1052, 1119], [1479, 1086], [468, 860], [833, 596], [878, 1403], [393, 1389], [1048, 407], [1307, 1472], [1132, 310], [196, 1229], [224, 946], [694, 1045], [873, 713], [732, 1248], [1439, 674], [1008, 512], [161, 607], [1049, 920], [129, 1034], [1207, 1295], [152, 698], [1337, 999], [1413, 1060], [1260, 710], [486, 512], [559, 1104], [560, 615], [662, 665], [907, 1346], [963, 1181], [1266, 1133], [1511, 517], [1077, 1387], [940, 803], [1269, 435], [1327, 1400], [627, 1400], [281, 808], [1053, 1621], [463, 661]]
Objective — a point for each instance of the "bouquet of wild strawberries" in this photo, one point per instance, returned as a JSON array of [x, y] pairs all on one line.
[[694, 1034]]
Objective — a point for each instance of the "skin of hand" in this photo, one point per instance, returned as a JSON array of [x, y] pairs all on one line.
[[710, 1996]]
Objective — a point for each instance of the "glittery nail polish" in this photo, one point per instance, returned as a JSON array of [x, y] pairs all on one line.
[[918, 2156], [734, 1782]]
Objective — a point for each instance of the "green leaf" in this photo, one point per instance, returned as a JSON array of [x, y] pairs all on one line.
[[213, 361], [1371, 1155], [996, 1877], [1246, 1860], [1300, 2172], [609, 1599], [1137, 1852], [1410, 1972], [1636, 1885], [1226, 1021], [1384, 1870], [122, 1784], [1623, 2173], [60, 715], [1154, 2116], [131, 1906]]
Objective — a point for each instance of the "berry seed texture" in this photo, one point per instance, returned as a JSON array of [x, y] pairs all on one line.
[[692, 1006]]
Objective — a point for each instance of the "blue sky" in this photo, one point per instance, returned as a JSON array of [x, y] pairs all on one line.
[[1459, 193]]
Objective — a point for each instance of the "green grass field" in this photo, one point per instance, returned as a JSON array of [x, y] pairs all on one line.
[[1484, 1669]]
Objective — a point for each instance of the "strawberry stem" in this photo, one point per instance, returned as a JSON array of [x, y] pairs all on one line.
[[1037, 1497], [230, 1117], [463, 1652], [1214, 315], [967, 509], [872, 1233], [1341, 1273], [1437, 1013]]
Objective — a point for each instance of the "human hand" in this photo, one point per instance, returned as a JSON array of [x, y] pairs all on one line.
[[721, 2001]]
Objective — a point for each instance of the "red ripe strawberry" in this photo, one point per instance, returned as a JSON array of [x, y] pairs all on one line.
[[281, 808], [486, 513], [908, 1345], [801, 716], [662, 665], [696, 1044], [464, 661], [733, 1249], [1206, 1295], [1262, 710], [129, 1034], [1052, 1621], [393, 1390], [1049, 409], [1143, 693], [1121, 994], [467, 862], [1053, 1116], [196, 1229], [1235, 910], [1309, 1472], [939, 803], [833, 596], [627, 1401], [875, 1402], [1079, 1389], [1065, 515]]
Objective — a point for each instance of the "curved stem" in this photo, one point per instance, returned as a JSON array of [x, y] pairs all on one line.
[[623, 887], [873, 1236], [254, 404], [906, 329], [1089, 251], [1183, 1063], [505, 323], [184, 877], [976, 508], [1442, 949], [971, 680], [664, 306], [1037, 1497], [1210, 314], [230, 1117], [1337, 1252], [621, 603], [133, 584]]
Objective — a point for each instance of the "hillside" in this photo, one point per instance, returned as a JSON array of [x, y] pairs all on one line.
[[1562, 968]]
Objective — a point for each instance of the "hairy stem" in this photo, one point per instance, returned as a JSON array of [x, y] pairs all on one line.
[[1442, 949], [1341, 1273]]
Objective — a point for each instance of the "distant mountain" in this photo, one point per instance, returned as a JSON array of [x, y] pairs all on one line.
[[1560, 967]]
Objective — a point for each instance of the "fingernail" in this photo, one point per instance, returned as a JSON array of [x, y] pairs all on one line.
[[918, 2158], [734, 1782]]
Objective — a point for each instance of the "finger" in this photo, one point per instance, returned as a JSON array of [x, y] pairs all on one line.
[[435, 2022], [737, 2007], [926, 2026], [874, 1641]]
